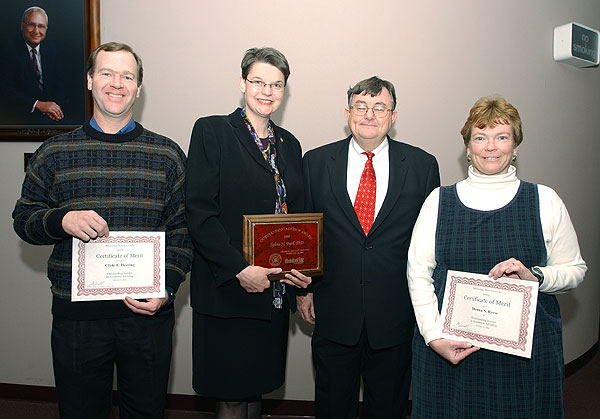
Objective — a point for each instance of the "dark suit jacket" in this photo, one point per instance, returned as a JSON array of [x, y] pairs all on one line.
[[227, 176], [364, 278], [21, 90]]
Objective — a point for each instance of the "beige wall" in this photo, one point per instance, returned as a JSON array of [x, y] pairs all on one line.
[[441, 56]]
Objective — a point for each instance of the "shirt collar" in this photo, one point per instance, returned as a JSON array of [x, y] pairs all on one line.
[[127, 128], [358, 150], [29, 48], [492, 181]]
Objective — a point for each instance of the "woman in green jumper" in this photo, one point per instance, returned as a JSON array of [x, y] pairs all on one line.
[[495, 224]]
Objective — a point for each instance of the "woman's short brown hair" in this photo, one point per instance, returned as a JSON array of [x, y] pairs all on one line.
[[489, 112], [265, 55]]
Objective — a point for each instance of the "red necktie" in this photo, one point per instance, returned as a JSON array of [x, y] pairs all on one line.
[[36, 68], [364, 204]]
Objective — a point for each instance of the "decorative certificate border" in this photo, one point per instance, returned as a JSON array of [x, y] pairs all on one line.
[[155, 287], [527, 299], [133, 259]]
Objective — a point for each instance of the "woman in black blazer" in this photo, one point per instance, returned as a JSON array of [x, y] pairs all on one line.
[[239, 164]]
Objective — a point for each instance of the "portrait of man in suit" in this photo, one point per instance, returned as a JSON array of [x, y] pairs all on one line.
[[370, 189], [37, 86]]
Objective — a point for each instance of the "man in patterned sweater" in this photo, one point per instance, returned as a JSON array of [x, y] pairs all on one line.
[[111, 173]]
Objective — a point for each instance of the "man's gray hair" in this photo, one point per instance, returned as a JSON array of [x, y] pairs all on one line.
[[372, 86], [34, 9]]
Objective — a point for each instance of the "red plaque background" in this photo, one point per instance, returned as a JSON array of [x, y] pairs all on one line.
[[286, 241]]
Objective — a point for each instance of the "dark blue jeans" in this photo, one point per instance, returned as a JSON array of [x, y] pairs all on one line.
[[85, 353]]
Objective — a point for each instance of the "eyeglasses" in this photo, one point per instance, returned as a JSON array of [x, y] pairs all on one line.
[[259, 84], [378, 110], [31, 26]]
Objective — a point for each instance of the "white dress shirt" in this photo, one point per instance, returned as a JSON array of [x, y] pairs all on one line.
[[39, 62], [37, 55], [356, 165]]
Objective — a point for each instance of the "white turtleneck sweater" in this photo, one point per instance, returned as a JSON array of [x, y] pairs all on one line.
[[564, 268]]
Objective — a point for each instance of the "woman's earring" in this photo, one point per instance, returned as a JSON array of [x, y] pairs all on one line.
[[469, 158], [514, 157]]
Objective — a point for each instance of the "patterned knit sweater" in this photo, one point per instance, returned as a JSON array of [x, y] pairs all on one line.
[[133, 180]]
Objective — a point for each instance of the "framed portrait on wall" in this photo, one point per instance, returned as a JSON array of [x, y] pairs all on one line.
[[44, 45]]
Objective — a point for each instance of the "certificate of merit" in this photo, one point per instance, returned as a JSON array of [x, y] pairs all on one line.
[[125, 263], [493, 314]]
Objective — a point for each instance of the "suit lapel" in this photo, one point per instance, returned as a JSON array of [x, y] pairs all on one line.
[[395, 184], [338, 173], [244, 137], [279, 147]]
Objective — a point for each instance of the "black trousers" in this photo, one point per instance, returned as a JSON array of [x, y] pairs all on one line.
[[338, 368], [84, 355]]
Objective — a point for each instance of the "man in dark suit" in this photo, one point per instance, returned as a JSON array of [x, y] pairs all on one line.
[[370, 189], [34, 89]]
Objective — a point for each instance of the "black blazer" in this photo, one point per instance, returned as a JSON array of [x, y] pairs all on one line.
[[21, 89], [364, 278], [226, 177]]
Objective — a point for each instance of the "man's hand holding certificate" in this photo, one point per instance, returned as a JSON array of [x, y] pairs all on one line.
[[123, 264], [493, 314]]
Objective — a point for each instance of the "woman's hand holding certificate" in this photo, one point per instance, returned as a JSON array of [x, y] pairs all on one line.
[[496, 314]]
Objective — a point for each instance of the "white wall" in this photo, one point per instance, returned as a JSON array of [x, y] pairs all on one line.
[[441, 56]]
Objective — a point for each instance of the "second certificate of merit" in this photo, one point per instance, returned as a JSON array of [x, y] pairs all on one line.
[[493, 314], [123, 264]]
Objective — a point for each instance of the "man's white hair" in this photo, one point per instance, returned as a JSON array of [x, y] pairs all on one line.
[[34, 9]]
